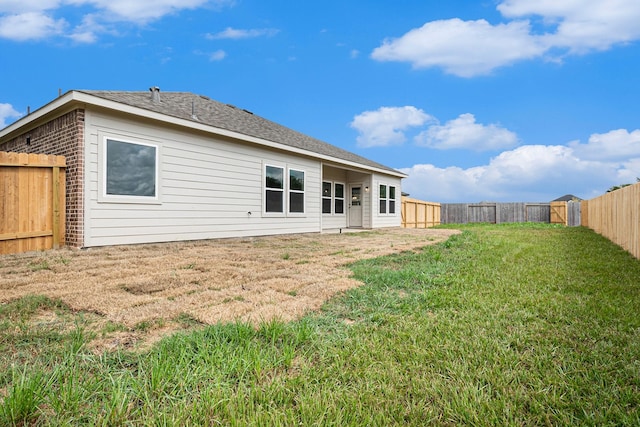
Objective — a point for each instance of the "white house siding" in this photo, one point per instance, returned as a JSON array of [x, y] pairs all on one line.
[[385, 220], [208, 185]]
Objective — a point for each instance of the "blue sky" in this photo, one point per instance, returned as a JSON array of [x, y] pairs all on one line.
[[503, 100]]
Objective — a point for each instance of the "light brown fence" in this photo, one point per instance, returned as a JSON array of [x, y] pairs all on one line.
[[32, 202], [616, 216], [419, 214], [559, 214]]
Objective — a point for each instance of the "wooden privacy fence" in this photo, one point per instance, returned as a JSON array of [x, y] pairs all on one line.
[[419, 214], [32, 202], [497, 213], [616, 216]]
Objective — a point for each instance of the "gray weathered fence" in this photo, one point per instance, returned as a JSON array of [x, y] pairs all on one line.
[[496, 213]]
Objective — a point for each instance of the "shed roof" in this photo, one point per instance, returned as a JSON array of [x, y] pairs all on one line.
[[567, 198], [201, 109]]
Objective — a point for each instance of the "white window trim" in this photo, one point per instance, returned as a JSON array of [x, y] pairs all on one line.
[[286, 190], [388, 199], [333, 198], [303, 192], [323, 198], [343, 198], [385, 199], [103, 197], [285, 178]]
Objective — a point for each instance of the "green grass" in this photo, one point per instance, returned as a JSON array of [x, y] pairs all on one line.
[[522, 324]]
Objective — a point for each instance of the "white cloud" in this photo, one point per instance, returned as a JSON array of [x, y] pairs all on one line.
[[88, 30], [36, 19], [389, 125], [582, 25], [464, 132], [218, 55], [617, 144], [470, 48], [30, 26], [23, 6], [535, 173], [629, 173], [138, 11], [463, 48], [236, 34], [386, 125], [7, 112]]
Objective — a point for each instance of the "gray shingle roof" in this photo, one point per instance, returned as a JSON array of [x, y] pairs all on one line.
[[186, 105], [567, 198]]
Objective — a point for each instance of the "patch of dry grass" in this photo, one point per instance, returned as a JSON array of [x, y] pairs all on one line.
[[148, 288]]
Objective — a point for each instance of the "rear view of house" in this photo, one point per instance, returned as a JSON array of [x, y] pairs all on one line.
[[157, 166]]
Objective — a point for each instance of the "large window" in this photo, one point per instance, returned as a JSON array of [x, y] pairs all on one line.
[[383, 199], [392, 200], [332, 198], [130, 170], [327, 196], [296, 191], [281, 189], [338, 201], [387, 198], [274, 189]]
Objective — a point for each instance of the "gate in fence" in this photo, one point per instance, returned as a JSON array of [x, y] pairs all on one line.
[[32, 202]]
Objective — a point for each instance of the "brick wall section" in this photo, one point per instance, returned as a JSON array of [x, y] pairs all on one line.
[[62, 136]]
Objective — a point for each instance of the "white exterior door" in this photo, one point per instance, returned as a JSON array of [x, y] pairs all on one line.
[[355, 205]]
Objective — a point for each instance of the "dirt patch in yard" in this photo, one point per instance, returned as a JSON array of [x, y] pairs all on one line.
[[148, 291]]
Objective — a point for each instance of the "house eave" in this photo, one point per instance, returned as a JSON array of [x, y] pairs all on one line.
[[31, 120], [75, 99]]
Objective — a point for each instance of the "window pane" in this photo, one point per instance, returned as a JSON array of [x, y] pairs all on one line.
[[383, 206], [275, 177], [274, 201], [355, 196], [340, 191], [296, 180], [130, 169], [296, 202], [326, 206], [339, 206], [383, 191], [392, 192], [326, 189], [392, 206]]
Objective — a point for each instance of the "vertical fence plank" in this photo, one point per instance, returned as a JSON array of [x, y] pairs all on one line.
[[56, 207]]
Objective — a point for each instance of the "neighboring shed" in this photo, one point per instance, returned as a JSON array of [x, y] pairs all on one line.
[[154, 167]]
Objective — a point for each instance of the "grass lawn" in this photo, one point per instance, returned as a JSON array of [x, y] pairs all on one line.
[[518, 324]]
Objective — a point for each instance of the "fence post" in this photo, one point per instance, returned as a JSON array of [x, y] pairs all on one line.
[[56, 207]]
